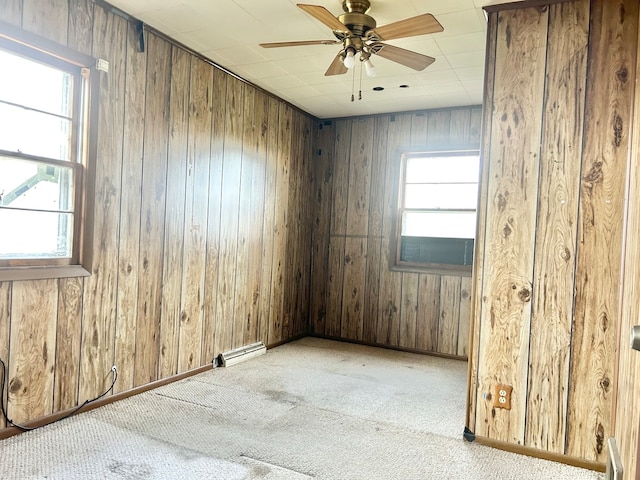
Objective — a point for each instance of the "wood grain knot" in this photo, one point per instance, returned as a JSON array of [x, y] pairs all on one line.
[[605, 383], [604, 321], [599, 438], [15, 385], [565, 254], [623, 74], [507, 230], [184, 316], [595, 173], [347, 259], [502, 201], [524, 294], [617, 131]]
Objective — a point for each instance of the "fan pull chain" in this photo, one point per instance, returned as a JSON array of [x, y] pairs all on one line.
[[353, 84], [360, 91]]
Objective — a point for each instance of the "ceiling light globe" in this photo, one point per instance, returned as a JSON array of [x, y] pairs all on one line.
[[350, 59], [370, 68]]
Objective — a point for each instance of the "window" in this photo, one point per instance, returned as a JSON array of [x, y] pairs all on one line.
[[437, 209], [44, 112]]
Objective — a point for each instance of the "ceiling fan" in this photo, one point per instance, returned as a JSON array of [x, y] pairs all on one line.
[[358, 33]]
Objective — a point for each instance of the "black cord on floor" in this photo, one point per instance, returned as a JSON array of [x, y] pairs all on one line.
[[4, 400]]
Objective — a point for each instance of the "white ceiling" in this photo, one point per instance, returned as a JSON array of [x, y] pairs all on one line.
[[229, 31]]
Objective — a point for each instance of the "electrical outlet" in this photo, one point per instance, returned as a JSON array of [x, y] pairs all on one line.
[[502, 396]]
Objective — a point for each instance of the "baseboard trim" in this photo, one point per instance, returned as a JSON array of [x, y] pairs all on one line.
[[46, 420], [543, 454], [388, 347], [42, 421]]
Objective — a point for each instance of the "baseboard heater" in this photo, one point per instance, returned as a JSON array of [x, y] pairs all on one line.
[[241, 354]]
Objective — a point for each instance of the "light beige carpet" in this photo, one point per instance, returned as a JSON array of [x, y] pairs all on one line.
[[312, 409]]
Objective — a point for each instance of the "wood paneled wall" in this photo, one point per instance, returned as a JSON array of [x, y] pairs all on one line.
[[202, 223], [559, 97], [355, 295], [627, 425]]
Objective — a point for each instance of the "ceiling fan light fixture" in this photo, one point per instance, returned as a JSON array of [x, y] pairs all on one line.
[[369, 68], [350, 58]]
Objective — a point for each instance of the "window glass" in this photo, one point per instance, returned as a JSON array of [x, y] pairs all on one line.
[[35, 85], [437, 210], [40, 171]]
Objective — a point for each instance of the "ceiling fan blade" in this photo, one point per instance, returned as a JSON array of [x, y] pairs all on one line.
[[336, 68], [420, 25], [325, 16], [410, 59], [301, 43]]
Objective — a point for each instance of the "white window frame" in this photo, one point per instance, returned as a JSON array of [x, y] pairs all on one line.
[[428, 266], [83, 147]]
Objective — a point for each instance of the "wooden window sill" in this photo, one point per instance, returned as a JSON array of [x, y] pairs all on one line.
[[41, 273]]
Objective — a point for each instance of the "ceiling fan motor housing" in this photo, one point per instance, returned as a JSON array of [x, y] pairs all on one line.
[[356, 6], [355, 17]]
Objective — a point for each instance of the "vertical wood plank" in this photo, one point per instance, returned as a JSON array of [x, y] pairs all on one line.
[[195, 216], [271, 179], [278, 290], [80, 35], [295, 231], [67, 367], [131, 199], [460, 127], [323, 177], [154, 187], [449, 314], [372, 289], [359, 176], [339, 192], [378, 175], [428, 316], [5, 328], [465, 316], [628, 385], [475, 129], [551, 319], [409, 310], [438, 127], [289, 256], [334, 286], [485, 127], [307, 244], [210, 342], [240, 323], [375, 227], [11, 12], [47, 18], [174, 220], [258, 157], [231, 171], [612, 38], [355, 259], [399, 132], [419, 129], [32, 349], [510, 220], [99, 297]]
